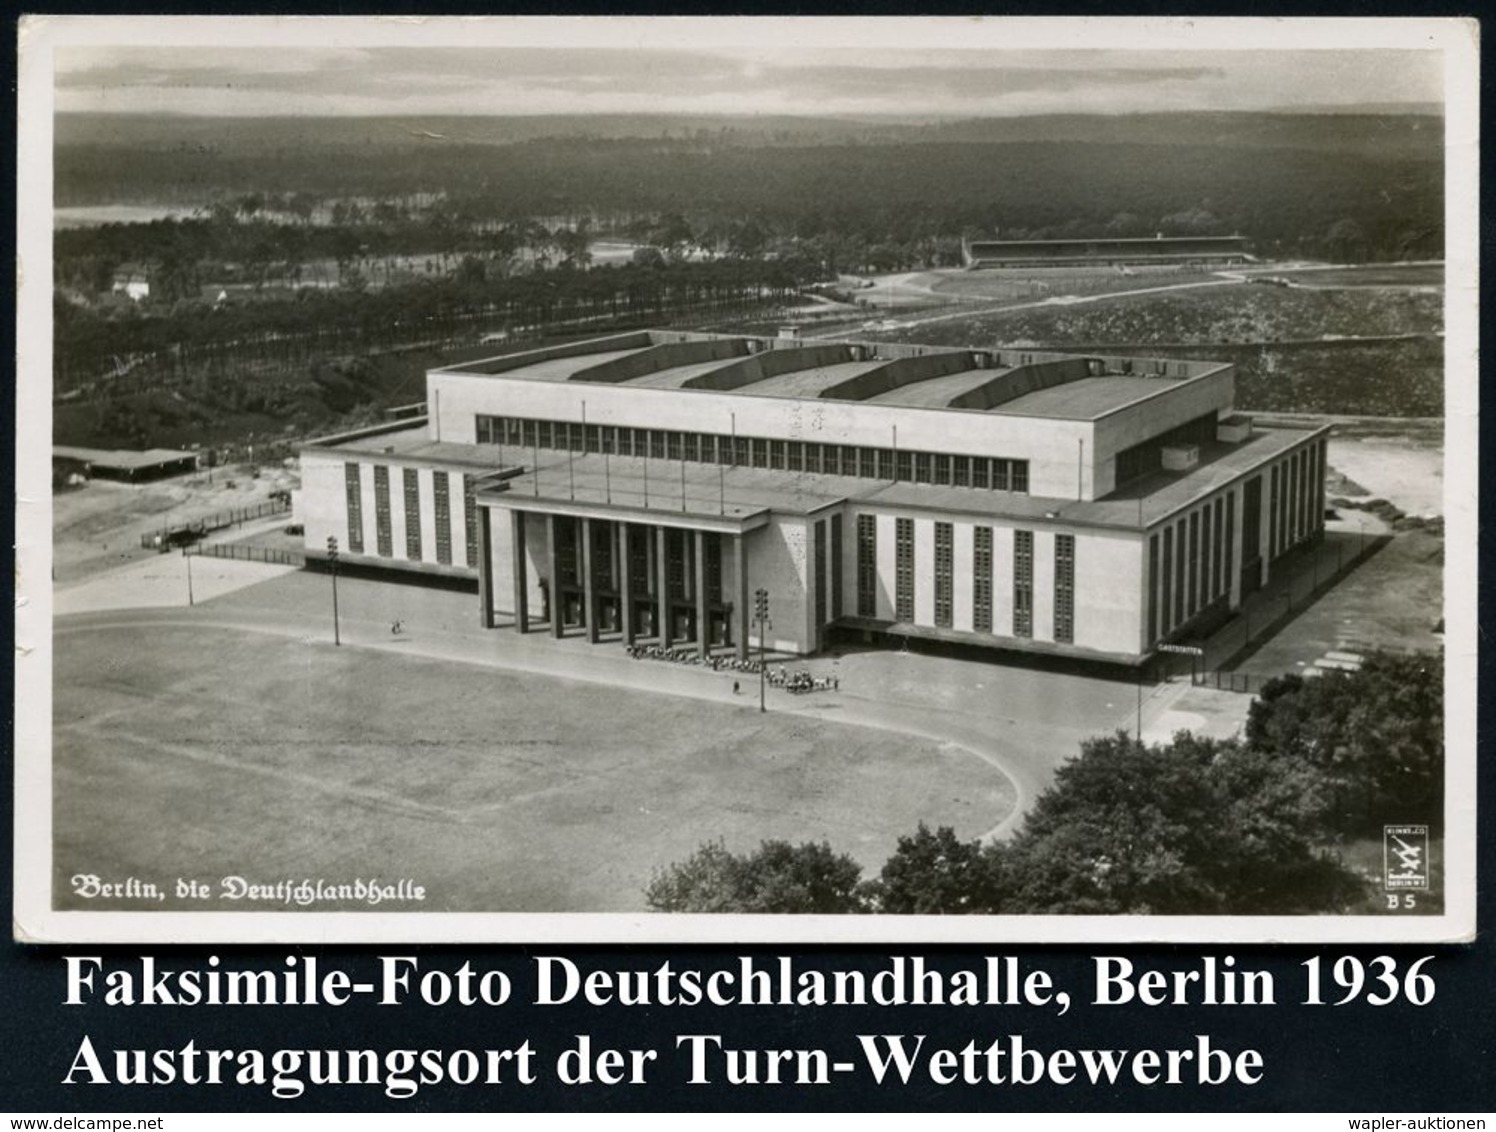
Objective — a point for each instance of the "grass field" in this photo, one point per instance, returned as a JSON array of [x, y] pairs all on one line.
[[1292, 347], [1371, 275], [1204, 315], [181, 752], [1001, 284]]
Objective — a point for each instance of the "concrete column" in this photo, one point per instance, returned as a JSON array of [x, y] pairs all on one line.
[[703, 635], [625, 584], [589, 594], [521, 582], [553, 574], [485, 567], [662, 581], [740, 607]]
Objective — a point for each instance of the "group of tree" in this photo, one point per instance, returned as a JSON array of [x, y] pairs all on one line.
[[889, 194], [171, 343], [1192, 827]]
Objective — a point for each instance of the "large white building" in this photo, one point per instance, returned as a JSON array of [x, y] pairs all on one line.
[[646, 485]]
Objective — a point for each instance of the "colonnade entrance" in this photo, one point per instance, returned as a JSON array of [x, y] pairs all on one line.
[[627, 581]]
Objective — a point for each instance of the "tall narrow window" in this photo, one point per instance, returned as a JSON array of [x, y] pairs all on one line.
[[354, 488], [1272, 516], [1023, 583], [836, 566], [944, 574], [981, 579], [867, 566], [1064, 588], [869, 468], [412, 485], [980, 466], [904, 570], [1018, 476], [1152, 589], [443, 512], [819, 559], [470, 518], [1192, 567], [1000, 469], [903, 463], [1181, 557], [1231, 539], [1219, 567], [921, 467], [794, 456], [382, 511], [1166, 602]]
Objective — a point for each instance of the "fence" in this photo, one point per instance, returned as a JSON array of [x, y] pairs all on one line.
[[1305, 576], [246, 552], [184, 534]]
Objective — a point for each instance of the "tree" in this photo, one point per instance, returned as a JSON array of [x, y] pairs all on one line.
[[1194, 827], [937, 873], [1346, 240], [776, 878], [1375, 735]]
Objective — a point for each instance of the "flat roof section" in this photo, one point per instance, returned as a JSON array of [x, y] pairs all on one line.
[[1165, 492], [416, 444], [809, 383], [123, 457], [677, 376], [561, 369], [1087, 398], [635, 484], [934, 392]]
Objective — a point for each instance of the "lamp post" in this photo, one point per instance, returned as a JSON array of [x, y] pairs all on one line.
[[186, 553], [332, 563], [761, 615]]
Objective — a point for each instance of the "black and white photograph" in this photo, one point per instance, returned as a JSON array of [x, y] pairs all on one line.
[[730, 479]]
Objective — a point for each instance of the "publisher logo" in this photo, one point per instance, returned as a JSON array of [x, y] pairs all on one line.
[[1404, 856]]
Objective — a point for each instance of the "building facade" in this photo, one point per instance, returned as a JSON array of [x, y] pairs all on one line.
[[645, 486]]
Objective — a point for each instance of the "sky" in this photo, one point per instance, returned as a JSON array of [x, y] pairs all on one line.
[[846, 68]]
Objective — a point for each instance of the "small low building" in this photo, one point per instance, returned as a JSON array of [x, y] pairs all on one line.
[[133, 281], [126, 465]]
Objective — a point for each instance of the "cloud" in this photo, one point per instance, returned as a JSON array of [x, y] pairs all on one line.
[[559, 80]]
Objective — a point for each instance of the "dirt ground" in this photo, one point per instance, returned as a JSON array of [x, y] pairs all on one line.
[[97, 527], [1407, 471]]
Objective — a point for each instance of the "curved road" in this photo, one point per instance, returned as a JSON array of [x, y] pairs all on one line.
[[1025, 751]]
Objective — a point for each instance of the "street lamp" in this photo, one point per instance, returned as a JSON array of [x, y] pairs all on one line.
[[332, 563], [761, 615], [186, 553]]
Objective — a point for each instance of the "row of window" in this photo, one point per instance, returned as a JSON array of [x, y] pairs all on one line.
[[1297, 507], [1190, 564], [411, 489], [944, 577], [898, 465]]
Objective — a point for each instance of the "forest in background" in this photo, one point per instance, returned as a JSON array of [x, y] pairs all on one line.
[[1281, 180]]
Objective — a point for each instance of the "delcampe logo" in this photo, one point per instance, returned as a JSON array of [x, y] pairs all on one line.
[[1404, 856]]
